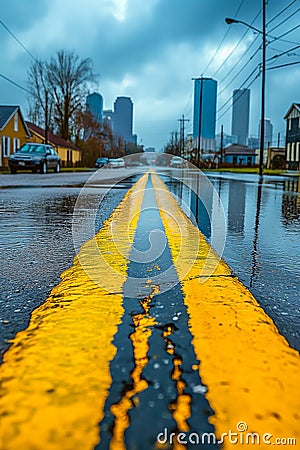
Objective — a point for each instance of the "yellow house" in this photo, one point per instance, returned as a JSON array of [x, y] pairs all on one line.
[[69, 154], [14, 132]]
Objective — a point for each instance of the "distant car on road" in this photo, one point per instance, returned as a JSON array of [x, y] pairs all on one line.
[[115, 163], [34, 157], [100, 162], [176, 161]]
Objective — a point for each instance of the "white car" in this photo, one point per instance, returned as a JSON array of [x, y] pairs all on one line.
[[176, 161], [115, 163]]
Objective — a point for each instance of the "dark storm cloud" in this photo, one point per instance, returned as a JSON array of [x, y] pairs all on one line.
[[128, 45], [147, 50], [20, 15]]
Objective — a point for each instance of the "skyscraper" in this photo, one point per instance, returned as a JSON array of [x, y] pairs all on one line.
[[94, 104], [123, 119], [240, 115], [205, 102], [268, 132]]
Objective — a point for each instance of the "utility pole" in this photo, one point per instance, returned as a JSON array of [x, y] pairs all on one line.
[[221, 144], [182, 121], [263, 91], [278, 140], [46, 117]]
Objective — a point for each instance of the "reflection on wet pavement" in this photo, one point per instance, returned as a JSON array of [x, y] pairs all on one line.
[[263, 240], [36, 247]]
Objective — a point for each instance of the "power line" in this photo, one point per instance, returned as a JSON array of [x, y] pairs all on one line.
[[281, 12], [236, 46], [284, 21], [242, 85], [17, 40], [15, 84], [283, 53], [287, 32], [283, 65], [249, 85], [222, 40], [240, 71]]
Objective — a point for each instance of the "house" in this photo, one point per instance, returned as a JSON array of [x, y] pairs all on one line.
[[239, 155], [14, 132], [69, 154], [276, 158], [292, 149]]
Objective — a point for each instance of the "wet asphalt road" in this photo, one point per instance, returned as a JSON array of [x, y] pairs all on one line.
[[263, 235], [36, 240]]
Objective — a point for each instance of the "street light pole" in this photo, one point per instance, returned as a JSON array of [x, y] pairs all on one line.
[[229, 21], [263, 93]]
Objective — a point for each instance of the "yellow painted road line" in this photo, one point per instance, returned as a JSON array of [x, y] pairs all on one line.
[[55, 377], [143, 324], [251, 372]]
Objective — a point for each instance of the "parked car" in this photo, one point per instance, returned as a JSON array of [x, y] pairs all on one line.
[[176, 161], [35, 157], [100, 162], [115, 163]]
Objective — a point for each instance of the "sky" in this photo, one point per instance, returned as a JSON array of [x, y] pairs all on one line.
[[150, 51]]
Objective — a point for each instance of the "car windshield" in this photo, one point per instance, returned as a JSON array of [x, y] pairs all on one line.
[[27, 148]]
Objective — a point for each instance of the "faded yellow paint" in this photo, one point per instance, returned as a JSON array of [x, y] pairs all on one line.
[[55, 376], [143, 324], [251, 372]]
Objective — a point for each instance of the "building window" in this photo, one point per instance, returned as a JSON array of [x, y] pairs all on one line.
[[288, 152], [293, 152], [290, 123], [16, 122], [234, 159], [16, 144], [297, 157], [6, 146]]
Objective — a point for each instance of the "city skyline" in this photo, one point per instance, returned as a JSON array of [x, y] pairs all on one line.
[[137, 53]]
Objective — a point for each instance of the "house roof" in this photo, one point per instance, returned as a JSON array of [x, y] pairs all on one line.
[[235, 149], [7, 112], [294, 105], [52, 138]]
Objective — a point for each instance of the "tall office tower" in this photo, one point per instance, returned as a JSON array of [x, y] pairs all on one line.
[[94, 104], [268, 132], [123, 119], [205, 102], [240, 115]]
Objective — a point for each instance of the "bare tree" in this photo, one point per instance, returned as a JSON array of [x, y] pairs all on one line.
[[62, 83]]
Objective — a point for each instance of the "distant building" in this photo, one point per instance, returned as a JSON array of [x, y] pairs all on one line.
[[292, 118], [240, 115], [268, 133], [239, 155], [227, 140], [14, 132], [123, 119], [253, 142], [205, 102], [94, 104]]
